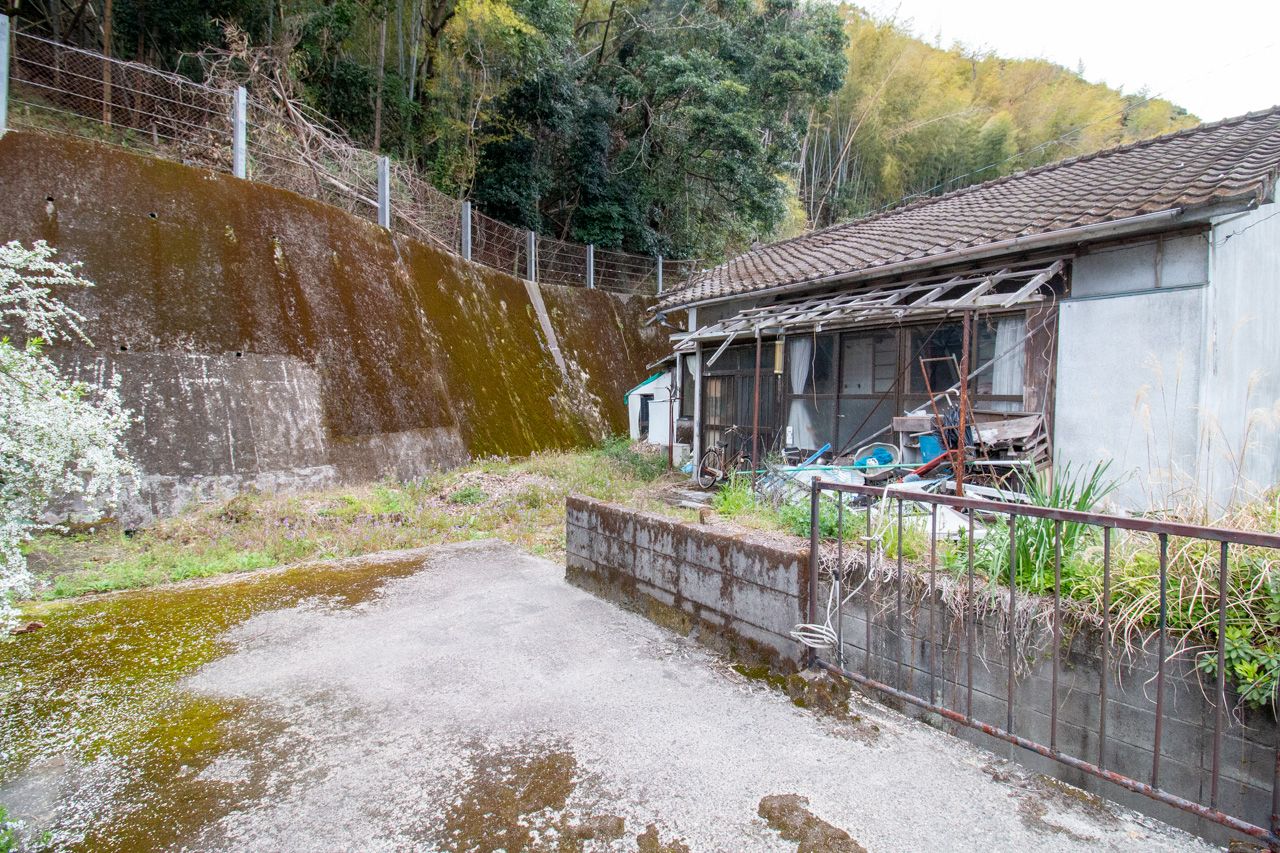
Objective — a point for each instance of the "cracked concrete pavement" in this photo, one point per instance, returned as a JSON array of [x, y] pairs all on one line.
[[482, 703]]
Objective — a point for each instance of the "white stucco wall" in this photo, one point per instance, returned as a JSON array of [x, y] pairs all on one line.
[[1169, 364], [1242, 373], [659, 410], [1128, 386]]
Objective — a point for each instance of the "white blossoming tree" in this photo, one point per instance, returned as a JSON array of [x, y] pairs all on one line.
[[58, 439]]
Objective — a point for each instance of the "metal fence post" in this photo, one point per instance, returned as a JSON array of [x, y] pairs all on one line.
[[531, 249], [466, 230], [239, 160], [591, 265], [384, 191], [659, 273], [4, 74]]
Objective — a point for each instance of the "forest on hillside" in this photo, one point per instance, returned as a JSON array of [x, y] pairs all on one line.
[[688, 128]]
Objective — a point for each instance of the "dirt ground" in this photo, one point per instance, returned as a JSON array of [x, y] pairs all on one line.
[[481, 703]]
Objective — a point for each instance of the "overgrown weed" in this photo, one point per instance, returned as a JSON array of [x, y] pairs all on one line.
[[518, 500]]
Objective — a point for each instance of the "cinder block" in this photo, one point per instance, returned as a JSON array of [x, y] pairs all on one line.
[[767, 609], [580, 512], [704, 586], [657, 569], [787, 648], [615, 522], [660, 595], [768, 567], [578, 541], [661, 536], [580, 562], [706, 549], [614, 553]]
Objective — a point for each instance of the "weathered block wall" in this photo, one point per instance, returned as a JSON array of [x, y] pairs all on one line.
[[935, 659], [746, 593], [270, 340], [739, 593]]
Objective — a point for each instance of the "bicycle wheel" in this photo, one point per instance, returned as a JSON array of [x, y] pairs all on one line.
[[708, 469]]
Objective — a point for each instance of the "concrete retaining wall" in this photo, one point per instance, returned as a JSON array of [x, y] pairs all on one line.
[[265, 339], [745, 593], [739, 593]]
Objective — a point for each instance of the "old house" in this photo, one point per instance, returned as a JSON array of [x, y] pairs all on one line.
[[1127, 298]]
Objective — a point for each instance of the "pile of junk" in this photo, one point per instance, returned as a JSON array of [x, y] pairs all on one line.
[[995, 451]]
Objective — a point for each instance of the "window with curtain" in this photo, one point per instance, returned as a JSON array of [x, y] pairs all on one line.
[[846, 388], [810, 378], [1001, 341], [686, 386]]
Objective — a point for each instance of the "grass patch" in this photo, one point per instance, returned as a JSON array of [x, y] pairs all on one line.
[[1252, 636], [517, 500], [468, 496]]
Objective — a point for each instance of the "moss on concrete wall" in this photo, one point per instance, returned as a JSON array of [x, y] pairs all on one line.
[[410, 357]]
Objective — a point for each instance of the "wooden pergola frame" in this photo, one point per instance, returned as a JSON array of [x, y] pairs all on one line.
[[918, 299]]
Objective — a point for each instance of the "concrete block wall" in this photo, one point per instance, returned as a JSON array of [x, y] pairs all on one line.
[[745, 593], [742, 594], [937, 660]]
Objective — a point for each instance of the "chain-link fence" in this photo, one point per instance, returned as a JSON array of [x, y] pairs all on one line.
[[59, 88], [55, 87]]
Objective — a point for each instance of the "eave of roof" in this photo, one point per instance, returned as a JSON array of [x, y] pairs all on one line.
[[1195, 200]]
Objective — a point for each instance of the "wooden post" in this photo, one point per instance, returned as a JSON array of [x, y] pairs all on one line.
[[755, 413], [967, 319]]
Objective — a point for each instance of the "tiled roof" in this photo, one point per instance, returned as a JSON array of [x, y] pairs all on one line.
[[1227, 160]]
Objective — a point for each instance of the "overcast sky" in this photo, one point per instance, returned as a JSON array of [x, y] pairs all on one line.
[[1216, 59]]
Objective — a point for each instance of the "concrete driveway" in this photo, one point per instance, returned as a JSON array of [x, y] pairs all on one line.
[[484, 704]]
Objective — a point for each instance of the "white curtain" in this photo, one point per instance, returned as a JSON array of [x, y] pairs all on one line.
[[801, 415], [1006, 376]]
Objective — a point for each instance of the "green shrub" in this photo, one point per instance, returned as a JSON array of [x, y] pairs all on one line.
[[471, 495], [795, 518], [530, 497], [641, 465], [1253, 665], [735, 496]]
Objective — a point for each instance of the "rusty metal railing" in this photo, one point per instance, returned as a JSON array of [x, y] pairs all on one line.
[[961, 711]]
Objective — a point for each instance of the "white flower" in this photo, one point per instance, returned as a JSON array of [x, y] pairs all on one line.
[[58, 439]]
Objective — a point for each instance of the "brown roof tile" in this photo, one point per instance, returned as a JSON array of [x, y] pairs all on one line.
[[1203, 165]]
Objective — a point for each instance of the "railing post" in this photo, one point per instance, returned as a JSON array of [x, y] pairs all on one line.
[[239, 135], [384, 191], [659, 273], [591, 265], [466, 230], [4, 74], [531, 249], [815, 545]]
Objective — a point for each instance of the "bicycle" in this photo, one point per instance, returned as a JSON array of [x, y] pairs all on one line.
[[717, 465]]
